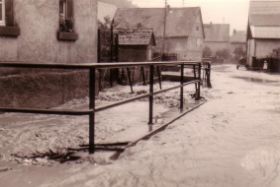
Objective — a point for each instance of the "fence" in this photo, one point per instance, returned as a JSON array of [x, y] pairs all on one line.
[[92, 68]]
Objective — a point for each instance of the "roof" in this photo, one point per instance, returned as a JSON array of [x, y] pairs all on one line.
[[264, 19], [264, 26], [216, 32], [265, 32], [179, 20], [238, 37], [264, 7], [137, 37]]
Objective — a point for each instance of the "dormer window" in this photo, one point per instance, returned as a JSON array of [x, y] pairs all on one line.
[[2, 13], [66, 21]]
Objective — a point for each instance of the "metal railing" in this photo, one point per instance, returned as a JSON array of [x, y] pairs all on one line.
[[92, 68]]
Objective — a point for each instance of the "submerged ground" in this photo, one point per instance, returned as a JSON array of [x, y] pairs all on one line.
[[231, 141]]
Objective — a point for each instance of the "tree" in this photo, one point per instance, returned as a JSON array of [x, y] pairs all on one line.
[[105, 38], [223, 54], [206, 52], [239, 52]]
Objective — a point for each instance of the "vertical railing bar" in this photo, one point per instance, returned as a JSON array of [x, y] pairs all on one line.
[[209, 76], [182, 89], [199, 83], [151, 97], [92, 114]]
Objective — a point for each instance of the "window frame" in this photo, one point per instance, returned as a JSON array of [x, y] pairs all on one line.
[[8, 27], [3, 21], [66, 31]]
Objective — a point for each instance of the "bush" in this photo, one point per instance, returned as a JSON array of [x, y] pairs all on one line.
[[239, 53], [224, 54], [206, 52]]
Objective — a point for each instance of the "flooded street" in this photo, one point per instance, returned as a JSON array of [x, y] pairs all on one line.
[[231, 141]]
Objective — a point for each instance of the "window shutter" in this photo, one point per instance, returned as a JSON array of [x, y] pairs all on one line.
[[70, 9], [9, 13]]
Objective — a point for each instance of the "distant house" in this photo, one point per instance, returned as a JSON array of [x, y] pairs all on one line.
[[54, 31], [217, 37], [238, 41], [184, 33], [263, 32], [136, 45], [263, 35]]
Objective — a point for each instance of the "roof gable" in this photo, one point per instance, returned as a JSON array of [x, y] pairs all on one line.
[[179, 21]]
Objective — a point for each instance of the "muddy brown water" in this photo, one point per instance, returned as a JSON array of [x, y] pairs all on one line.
[[231, 141]]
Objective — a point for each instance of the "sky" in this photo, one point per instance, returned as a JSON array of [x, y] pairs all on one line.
[[234, 12]]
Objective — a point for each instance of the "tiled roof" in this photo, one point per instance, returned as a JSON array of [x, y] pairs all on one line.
[[179, 20], [137, 37], [264, 19], [264, 7]]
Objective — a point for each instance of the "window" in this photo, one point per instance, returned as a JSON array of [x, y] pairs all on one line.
[[66, 21], [8, 26], [2, 12]]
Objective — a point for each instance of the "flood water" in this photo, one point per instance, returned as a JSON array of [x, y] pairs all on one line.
[[231, 141]]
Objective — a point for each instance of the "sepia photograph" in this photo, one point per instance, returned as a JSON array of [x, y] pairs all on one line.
[[139, 93]]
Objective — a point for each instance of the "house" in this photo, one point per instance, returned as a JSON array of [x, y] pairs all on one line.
[[46, 31], [217, 37], [54, 31], [136, 45], [238, 42], [177, 30], [263, 30], [263, 36]]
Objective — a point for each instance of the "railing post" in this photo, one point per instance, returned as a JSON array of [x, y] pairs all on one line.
[[92, 107], [199, 83], [182, 89], [209, 76], [151, 97]]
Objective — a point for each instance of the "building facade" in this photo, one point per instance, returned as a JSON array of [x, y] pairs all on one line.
[[217, 37], [53, 31], [46, 31], [177, 30]]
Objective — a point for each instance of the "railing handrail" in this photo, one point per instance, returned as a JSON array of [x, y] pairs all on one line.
[[92, 65]]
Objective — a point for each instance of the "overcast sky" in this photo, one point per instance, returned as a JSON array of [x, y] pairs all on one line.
[[234, 12]]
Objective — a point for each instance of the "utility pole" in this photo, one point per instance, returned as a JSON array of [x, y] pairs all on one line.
[[164, 27]]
